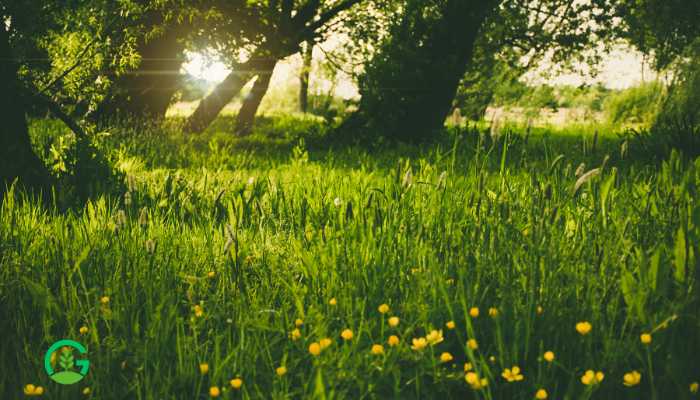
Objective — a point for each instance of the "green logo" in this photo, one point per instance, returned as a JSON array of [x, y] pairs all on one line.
[[63, 358]]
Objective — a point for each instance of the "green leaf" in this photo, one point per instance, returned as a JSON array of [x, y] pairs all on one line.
[[680, 255]]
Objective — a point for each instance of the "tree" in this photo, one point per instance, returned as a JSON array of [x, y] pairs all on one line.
[[272, 30], [409, 85], [306, 56]]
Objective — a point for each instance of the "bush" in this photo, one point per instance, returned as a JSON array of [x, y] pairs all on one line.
[[636, 105]]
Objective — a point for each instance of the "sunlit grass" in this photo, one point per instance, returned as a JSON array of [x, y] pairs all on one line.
[[271, 267]]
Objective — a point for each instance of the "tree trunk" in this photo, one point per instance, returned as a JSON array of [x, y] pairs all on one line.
[[148, 91], [17, 158], [409, 87], [304, 76], [246, 115], [222, 94]]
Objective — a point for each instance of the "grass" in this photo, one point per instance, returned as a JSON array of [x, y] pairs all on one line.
[[217, 245]]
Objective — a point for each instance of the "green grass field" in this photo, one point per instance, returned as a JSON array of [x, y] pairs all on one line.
[[247, 254]]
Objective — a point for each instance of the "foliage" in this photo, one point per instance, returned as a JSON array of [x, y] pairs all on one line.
[[217, 250], [638, 104]]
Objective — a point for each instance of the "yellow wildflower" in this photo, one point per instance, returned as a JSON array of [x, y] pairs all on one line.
[[211, 274], [493, 312], [214, 391], [298, 322], [31, 390], [512, 374], [236, 383], [474, 381], [377, 349], [492, 359], [315, 349], [645, 338], [325, 342], [434, 337], [474, 312], [419, 343], [694, 387], [548, 356], [450, 324], [198, 311], [87, 391], [540, 310], [393, 321], [468, 367], [295, 334], [333, 301], [592, 378], [631, 378], [104, 300], [347, 334], [203, 368], [472, 344], [393, 340], [83, 330], [541, 394], [584, 327], [383, 309], [446, 357], [281, 370]]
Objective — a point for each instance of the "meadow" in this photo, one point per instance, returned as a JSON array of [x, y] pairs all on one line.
[[552, 263]]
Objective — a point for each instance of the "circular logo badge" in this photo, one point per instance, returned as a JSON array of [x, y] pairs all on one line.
[[60, 356]]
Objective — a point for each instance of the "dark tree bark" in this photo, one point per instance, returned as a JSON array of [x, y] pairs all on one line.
[[304, 77], [147, 92], [17, 158], [210, 106], [246, 115], [409, 87]]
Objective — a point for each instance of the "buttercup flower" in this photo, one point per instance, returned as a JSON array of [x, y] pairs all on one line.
[[281, 370], [450, 324], [295, 334], [393, 321], [333, 301], [87, 391], [203, 368], [493, 312], [540, 310], [446, 357], [211, 274], [541, 394], [31, 390], [584, 327], [474, 381], [434, 337], [468, 367], [419, 343], [214, 391], [298, 322], [472, 344], [383, 309], [512, 374], [645, 338], [393, 340], [315, 349], [548, 356], [377, 349], [591, 377], [347, 334], [104, 300], [198, 311], [631, 378], [325, 342], [236, 383], [83, 330], [694, 387], [474, 312]]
